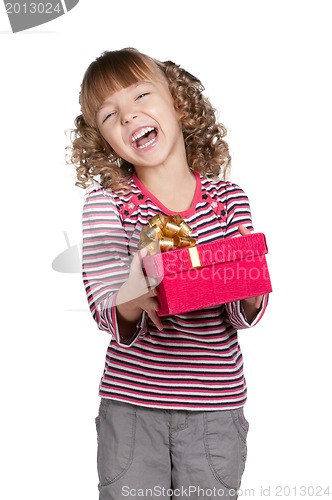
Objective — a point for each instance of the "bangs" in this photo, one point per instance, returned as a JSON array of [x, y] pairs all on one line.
[[109, 73]]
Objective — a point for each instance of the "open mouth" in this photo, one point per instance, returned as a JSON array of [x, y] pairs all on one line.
[[145, 137]]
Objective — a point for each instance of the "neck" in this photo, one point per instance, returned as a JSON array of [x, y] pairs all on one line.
[[167, 178], [174, 189]]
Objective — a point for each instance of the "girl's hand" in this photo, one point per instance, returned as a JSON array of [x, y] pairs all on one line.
[[138, 294], [251, 304], [243, 230]]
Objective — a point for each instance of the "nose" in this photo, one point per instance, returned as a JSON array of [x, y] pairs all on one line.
[[127, 117]]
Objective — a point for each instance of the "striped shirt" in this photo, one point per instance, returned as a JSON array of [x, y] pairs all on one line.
[[195, 362]]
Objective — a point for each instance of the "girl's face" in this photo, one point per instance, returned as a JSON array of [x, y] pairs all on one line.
[[141, 125]]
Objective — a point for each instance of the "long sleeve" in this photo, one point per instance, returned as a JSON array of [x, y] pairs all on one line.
[[106, 261], [238, 212], [238, 318]]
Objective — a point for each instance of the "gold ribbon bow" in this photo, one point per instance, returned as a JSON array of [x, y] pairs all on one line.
[[166, 233]]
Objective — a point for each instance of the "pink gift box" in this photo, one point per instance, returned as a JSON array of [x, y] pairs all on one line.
[[210, 274]]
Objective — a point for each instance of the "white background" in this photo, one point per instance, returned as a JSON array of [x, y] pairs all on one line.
[[266, 66]]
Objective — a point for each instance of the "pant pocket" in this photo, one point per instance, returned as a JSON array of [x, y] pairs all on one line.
[[242, 427], [97, 423], [116, 424], [225, 446]]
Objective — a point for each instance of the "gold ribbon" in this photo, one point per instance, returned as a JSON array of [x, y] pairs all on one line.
[[166, 233]]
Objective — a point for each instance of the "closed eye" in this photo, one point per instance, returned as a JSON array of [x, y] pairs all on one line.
[[142, 95], [108, 116]]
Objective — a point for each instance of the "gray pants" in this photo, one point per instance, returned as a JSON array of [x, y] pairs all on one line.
[[169, 454]]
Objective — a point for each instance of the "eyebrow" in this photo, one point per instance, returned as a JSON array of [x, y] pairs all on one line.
[[143, 82]]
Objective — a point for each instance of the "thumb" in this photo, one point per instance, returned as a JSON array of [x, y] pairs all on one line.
[[243, 230]]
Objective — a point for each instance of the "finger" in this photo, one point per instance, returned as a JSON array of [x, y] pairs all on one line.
[[136, 263], [137, 268], [243, 230], [258, 301], [152, 310], [153, 291], [143, 252], [134, 289], [151, 282], [155, 319]]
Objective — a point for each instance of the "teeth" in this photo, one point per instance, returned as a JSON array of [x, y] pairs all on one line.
[[146, 144], [141, 133]]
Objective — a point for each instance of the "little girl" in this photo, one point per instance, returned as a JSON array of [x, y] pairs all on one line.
[[171, 421]]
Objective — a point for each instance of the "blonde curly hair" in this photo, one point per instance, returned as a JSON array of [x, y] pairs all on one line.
[[207, 152]]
